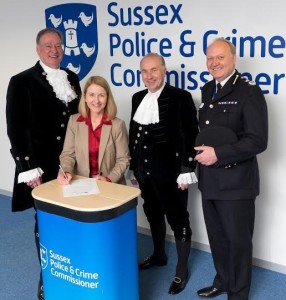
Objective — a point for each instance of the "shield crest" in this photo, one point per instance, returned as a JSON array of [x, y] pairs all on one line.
[[78, 24], [43, 256]]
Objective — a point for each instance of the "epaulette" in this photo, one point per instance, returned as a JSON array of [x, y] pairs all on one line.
[[249, 82]]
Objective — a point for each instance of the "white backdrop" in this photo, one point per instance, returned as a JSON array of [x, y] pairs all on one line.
[[183, 28]]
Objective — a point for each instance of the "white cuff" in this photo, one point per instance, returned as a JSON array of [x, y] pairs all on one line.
[[130, 175], [187, 178], [30, 175]]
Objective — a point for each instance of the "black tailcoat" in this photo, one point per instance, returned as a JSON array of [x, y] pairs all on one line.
[[36, 126]]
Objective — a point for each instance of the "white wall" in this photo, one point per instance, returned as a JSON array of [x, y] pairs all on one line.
[[20, 22]]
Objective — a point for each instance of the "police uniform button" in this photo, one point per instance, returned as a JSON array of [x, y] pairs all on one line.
[[146, 160], [177, 154], [64, 113], [138, 134], [145, 147], [207, 122], [136, 141], [59, 138], [27, 157], [191, 159], [62, 125], [211, 106], [146, 132], [140, 128], [148, 173]]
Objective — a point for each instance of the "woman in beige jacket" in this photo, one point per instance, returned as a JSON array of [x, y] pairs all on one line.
[[96, 142]]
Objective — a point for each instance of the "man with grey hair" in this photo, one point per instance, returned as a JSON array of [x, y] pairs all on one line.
[[162, 134]]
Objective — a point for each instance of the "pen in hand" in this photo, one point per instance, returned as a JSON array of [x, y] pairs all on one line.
[[64, 174]]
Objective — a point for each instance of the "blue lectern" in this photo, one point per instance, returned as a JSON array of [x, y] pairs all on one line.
[[88, 243]]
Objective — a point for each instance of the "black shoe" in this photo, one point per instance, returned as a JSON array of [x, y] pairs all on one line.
[[150, 262], [177, 285], [210, 292], [40, 291]]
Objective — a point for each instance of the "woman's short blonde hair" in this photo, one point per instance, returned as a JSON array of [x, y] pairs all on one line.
[[110, 108]]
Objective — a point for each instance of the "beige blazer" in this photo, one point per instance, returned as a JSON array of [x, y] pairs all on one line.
[[113, 157]]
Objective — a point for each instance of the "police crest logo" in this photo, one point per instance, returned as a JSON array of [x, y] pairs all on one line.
[[78, 24], [43, 256]]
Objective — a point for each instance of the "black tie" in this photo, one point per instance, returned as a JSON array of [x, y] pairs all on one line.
[[218, 86]]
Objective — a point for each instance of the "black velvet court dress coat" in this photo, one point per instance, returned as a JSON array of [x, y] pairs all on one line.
[[36, 127], [166, 149]]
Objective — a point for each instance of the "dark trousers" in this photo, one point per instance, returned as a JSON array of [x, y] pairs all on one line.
[[164, 198], [230, 225]]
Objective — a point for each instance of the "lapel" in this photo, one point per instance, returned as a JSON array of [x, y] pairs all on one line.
[[42, 74], [105, 133], [163, 99], [83, 141]]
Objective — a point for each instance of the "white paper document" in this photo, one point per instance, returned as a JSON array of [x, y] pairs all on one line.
[[87, 186]]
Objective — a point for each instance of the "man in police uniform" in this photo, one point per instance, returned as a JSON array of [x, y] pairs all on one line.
[[233, 130], [39, 103], [162, 134]]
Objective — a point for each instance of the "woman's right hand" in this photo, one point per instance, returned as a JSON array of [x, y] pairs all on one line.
[[62, 180]]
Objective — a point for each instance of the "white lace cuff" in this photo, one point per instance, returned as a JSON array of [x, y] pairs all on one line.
[[130, 175], [30, 175], [187, 178]]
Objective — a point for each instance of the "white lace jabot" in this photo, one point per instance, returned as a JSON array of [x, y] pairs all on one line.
[[148, 111], [58, 79]]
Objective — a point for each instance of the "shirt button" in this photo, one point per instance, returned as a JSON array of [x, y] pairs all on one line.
[[191, 159], [62, 125], [138, 134], [211, 106], [136, 141], [207, 122], [146, 160], [148, 173], [146, 132], [145, 147], [64, 113], [27, 157], [140, 128], [177, 154], [59, 138]]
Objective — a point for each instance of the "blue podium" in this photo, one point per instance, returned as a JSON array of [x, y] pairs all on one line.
[[88, 243]]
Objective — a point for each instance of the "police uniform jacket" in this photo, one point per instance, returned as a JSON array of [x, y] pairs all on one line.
[[241, 107], [36, 126], [113, 157], [166, 149]]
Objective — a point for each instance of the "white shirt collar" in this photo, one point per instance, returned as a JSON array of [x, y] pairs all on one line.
[[46, 68], [223, 82]]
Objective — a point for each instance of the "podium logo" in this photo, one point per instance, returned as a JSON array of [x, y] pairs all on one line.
[[44, 256], [78, 24]]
